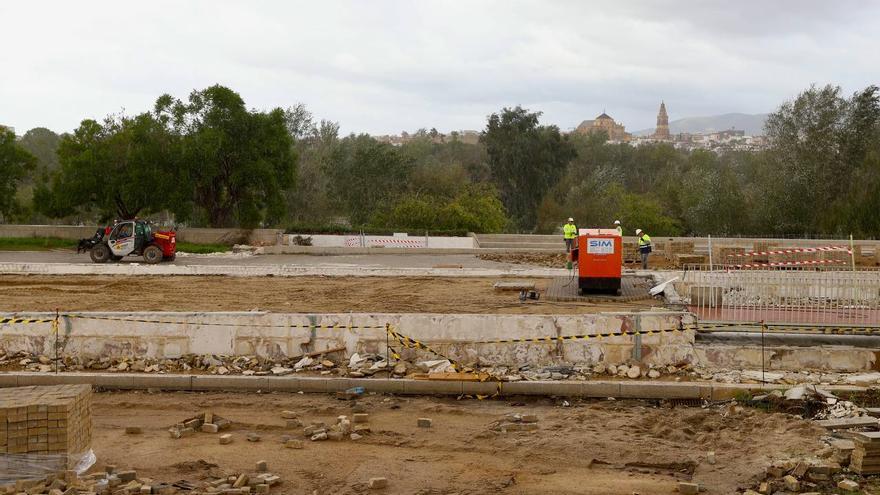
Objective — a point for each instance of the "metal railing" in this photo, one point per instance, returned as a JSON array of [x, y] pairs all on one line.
[[825, 295]]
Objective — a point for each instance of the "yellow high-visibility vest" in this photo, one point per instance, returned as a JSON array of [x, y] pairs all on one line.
[[570, 230]]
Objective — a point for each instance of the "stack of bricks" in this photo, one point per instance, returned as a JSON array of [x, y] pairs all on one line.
[[679, 247], [865, 459], [727, 255], [51, 424]]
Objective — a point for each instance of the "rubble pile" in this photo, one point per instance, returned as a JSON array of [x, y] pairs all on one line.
[[212, 364], [110, 481], [205, 423], [516, 422], [344, 428], [332, 363], [809, 476]]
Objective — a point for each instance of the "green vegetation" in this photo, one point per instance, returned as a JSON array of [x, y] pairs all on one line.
[[15, 163], [210, 161], [35, 243], [47, 243]]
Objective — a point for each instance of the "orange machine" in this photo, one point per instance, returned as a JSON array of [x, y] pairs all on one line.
[[599, 256]]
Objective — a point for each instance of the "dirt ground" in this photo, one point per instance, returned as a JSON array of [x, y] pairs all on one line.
[[591, 447], [19, 293]]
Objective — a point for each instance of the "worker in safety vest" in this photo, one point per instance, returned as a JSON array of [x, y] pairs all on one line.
[[570, 233], [644, 247], [618, 227]]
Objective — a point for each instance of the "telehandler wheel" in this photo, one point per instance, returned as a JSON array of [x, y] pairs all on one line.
[[152, 254], [100, 253]]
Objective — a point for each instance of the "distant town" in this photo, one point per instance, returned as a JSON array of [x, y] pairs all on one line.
[[717, 141]]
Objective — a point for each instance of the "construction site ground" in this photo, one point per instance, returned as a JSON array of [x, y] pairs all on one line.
[[599, 447], [30, 293]]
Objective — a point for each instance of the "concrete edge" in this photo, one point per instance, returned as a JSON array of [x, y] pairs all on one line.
[[587, 389]]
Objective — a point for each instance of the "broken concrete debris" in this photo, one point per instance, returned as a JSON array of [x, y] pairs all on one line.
[[516, 422], [378, 483], [127, 482], [205, 422], [686, 488], [361, 365]]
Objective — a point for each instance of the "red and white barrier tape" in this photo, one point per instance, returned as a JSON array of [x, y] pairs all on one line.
[[407, 243], [788, 263], [794, 250]]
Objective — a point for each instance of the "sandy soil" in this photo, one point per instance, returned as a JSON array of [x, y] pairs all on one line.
[[294, 295], [598, 447]]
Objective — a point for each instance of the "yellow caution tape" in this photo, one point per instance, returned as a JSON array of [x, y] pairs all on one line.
[[25, 321], [332, 326]]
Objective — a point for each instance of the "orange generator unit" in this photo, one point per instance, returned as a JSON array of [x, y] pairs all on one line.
[[599, 257]]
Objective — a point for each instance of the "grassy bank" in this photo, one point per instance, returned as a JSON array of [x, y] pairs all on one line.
[[48, 243], [35, 243]]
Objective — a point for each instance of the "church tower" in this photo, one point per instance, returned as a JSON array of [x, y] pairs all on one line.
[[662, 131]]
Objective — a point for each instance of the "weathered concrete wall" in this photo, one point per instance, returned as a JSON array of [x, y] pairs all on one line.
[[787, 358], [275, 335]]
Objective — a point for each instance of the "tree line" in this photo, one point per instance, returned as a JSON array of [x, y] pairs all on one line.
[[208, 160]]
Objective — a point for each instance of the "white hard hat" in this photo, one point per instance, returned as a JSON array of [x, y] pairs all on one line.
[[617, 222], [638, 231], [570, 219]]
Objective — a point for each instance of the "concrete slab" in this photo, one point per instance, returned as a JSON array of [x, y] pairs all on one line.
[[284, 383], [378, 385], [162, 382], [120, 381], [660, 390], [847, 423], [7, 380], [428, 387], [214, 382], [482, 388]]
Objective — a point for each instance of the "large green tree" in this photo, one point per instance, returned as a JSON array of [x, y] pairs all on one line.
[[366, 175], [15, 162], [525, 160], [124, 166], [235, 163], [820, 144]]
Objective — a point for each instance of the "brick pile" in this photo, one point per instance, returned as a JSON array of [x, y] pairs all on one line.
[[53, 422], [865, 458]]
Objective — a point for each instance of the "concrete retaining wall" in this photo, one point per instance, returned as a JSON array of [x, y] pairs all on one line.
[[285, 335]]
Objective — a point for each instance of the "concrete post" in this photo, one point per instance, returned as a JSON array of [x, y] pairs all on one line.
[[637, 339]]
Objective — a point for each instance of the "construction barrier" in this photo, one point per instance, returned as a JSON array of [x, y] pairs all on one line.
[[792, 251]]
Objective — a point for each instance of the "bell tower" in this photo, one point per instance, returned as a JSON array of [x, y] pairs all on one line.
[[662, 131]]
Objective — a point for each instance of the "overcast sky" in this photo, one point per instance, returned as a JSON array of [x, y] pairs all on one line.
[[386, 66]]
